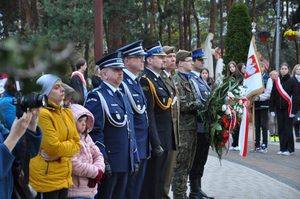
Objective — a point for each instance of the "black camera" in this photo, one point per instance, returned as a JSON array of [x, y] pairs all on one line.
[[22, 103]]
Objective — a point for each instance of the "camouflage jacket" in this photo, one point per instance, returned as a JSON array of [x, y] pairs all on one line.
[[188, 103]]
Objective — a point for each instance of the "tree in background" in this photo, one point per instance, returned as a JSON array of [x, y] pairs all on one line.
[[238, 34]]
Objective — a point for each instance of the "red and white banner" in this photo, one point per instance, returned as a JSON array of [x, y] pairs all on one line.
[[284, 95], [244, 128], [253, 79]]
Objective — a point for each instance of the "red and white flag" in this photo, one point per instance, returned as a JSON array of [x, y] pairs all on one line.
[[253, 82]]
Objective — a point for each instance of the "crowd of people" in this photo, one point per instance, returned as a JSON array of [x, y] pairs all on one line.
[[139, 131]]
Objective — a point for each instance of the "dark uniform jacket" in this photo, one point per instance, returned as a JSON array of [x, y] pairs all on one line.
[[175, 106], [160, 121], [140, 120], [116, 143]]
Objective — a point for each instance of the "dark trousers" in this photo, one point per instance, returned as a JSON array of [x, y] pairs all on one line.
[[285, 130], [58, 194], [134, 185], [236, 136], [200, 157], [296, 127], [261, 119], [114, 187], [154, 180]]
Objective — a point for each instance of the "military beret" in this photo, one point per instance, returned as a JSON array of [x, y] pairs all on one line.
[[181, 55], [169, 49]]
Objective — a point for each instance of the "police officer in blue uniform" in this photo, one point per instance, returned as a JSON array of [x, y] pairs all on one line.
[[134, 58], [202, 92], [113, 130], [159, 107]]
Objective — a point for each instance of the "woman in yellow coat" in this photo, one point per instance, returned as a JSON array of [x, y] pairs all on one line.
[[50, 171]]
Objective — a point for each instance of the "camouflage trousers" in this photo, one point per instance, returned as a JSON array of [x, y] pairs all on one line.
[[184, 162]]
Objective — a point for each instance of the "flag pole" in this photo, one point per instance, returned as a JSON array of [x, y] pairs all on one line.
[[253, 125]]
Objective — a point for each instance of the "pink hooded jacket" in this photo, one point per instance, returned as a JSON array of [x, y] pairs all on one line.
[[87, 161]]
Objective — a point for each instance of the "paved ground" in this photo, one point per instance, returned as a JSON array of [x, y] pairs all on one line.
[[265, 176]]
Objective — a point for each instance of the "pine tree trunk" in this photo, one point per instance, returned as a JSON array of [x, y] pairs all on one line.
[[160, 28], [35, 16], [189, 26], [180, 25], [152, 17], [25, 6], [197, 24], [86, 57], [185, 25], [213, 15]]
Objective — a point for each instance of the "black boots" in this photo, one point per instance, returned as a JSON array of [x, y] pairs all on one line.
[[196, 192]]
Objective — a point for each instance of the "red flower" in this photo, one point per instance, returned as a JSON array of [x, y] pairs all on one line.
[[225, 134], [226, 124], [224, 119]]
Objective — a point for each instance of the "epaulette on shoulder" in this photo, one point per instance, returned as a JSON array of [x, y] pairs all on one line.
[[143, 76]]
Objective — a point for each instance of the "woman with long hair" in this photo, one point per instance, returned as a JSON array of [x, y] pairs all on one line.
[[284, 98], [209, 80], [233, 71]]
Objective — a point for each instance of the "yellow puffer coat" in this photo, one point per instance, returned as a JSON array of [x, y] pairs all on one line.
[[60, 139]]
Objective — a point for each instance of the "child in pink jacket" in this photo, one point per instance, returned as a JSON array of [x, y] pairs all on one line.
[[88, 164]]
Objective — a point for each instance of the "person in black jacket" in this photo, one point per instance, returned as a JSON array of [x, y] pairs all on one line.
[[96, 79], [78, 81], [284, 97]]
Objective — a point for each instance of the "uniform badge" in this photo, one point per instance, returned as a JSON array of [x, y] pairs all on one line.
[[118, 115], [119, 54], [109, 92], [129, 81], [144, 88]]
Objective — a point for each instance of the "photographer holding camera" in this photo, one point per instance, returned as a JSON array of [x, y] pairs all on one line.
[[9, 141], [50, 171]]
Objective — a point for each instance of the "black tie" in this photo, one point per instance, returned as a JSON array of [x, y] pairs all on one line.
[[119, 96]]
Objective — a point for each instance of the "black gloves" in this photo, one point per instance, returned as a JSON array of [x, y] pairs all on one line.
[[107, 174], [157, 150], [136, 169]]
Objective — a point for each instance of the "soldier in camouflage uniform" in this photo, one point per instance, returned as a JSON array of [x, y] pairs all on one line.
[[187, 124]]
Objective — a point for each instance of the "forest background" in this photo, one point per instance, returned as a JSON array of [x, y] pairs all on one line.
[[180, 23]]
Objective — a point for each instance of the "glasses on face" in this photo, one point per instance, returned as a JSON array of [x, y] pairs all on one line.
[[140, 57]]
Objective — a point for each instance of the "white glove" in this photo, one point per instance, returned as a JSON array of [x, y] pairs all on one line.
[[292, 115], [273, 114]]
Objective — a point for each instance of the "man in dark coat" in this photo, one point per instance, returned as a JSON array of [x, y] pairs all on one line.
[[159, 105]]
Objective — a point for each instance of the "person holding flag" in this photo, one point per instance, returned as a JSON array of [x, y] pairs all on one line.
[[284, 97]]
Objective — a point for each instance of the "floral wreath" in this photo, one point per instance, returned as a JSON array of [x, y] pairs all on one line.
[[222, 112]]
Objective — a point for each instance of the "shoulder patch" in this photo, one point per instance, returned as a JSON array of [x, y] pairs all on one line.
[[91, 100], [145, 88]]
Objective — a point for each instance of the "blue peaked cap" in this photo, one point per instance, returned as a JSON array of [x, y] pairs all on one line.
[[198, 53], [155, 49], [112, 60], [135, 48]]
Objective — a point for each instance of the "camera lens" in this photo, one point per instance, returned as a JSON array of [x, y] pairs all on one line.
[[34, 101]]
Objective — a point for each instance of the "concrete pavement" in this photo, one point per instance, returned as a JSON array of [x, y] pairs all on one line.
[[265, 176]]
